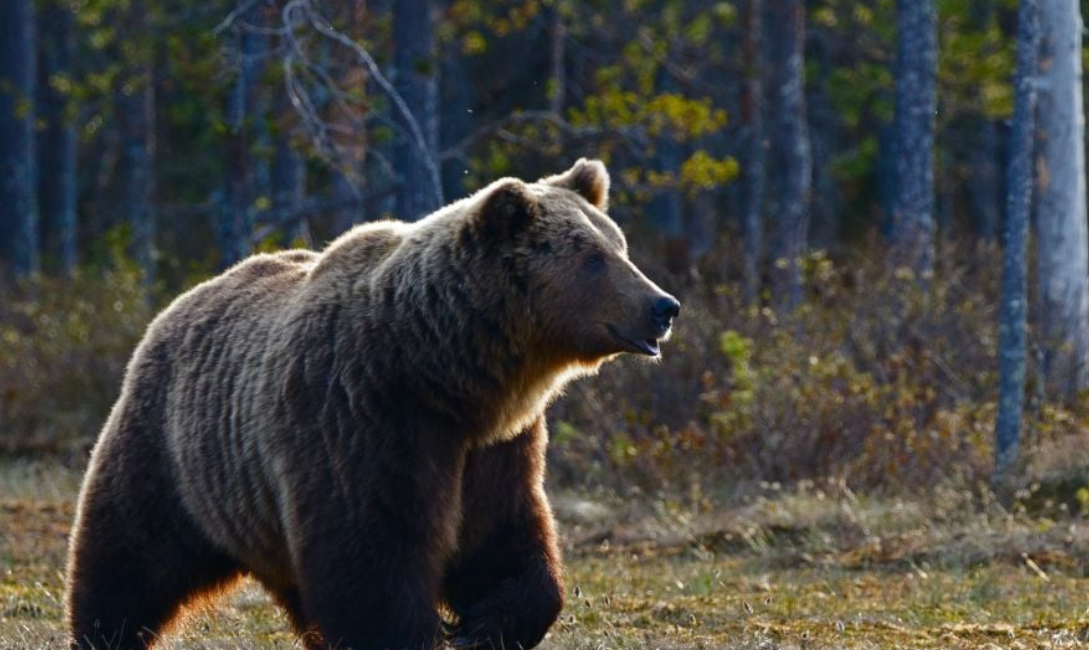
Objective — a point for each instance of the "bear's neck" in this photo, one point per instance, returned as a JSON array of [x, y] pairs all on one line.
[[436, 340]]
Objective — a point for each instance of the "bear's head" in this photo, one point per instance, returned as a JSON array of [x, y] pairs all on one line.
[[586, 300]]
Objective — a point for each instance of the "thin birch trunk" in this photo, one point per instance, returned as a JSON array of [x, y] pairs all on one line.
[[1011, 391]]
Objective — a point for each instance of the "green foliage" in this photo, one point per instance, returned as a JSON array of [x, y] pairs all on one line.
[[648, 93], [976, 59], [701, 172], [670, 113]]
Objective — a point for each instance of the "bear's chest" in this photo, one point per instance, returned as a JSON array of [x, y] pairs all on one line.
[[526, 401]]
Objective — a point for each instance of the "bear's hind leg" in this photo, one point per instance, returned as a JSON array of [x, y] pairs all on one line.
[[132, 565]]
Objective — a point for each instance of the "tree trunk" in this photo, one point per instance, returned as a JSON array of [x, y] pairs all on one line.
[[416, 67], [349, 179], [288, 173], [826, 207], [456, 119], [752, 117], [887, 184], [18, 184], [557, 40], [289, 187], [984, 182], [236, 219], [1011, 390], [135, 106], [916, 104], [791, 161], [58, 140], [1061, 228]]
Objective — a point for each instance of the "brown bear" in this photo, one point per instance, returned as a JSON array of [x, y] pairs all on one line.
[[362, 429]]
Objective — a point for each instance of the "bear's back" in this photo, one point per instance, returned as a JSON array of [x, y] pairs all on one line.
[[245, 292], [358, 253]]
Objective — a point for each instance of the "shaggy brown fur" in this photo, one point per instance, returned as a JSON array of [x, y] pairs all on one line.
[[362, 429]]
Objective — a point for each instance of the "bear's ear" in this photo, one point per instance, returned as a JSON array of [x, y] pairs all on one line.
[[507, 206], [589, 178]]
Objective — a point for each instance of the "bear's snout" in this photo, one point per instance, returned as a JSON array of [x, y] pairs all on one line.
[[651, 327], [663, 311]]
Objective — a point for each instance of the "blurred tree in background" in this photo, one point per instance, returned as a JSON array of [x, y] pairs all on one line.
[[1014, 307], [18, 182], [791, 161], [1063, 243], [916, 106], [58, 137]]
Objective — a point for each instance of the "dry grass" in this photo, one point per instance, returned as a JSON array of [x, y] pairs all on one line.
[[813, 567]]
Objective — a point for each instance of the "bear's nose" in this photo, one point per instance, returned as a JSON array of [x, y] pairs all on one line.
[[665, 309]]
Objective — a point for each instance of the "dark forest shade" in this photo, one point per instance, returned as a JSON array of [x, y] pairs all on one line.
[[790, 165], [667, 207], [135, 106], [1011, 329], [18, 181], [237, 214], [57, 139], [416, 80], [457, 103], [825, 134], [752, 100], [984, 186], [916, 104], [289, 187]]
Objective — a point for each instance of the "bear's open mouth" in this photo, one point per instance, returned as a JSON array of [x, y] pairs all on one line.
[[648, 347]]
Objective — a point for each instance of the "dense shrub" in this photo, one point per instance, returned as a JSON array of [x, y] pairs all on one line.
[[63, 348], [876, 380]]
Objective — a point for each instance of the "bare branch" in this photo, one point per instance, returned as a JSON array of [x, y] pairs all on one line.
[[298, 12], [235, 14]]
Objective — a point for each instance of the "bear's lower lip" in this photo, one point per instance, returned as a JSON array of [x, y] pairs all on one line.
[[648, 347]]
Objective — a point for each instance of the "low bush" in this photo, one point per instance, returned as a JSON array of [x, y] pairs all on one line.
[[64, 344], [876, 380]]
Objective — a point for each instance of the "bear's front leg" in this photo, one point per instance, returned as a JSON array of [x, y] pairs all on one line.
[[505, 584], [361, 602], [369, 551]]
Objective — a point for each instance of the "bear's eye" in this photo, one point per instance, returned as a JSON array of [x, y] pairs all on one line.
[[595, 262]]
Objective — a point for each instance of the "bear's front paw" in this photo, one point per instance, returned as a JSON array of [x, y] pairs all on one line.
[[514, 616]]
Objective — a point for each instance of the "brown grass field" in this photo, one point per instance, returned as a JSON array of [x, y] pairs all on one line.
[[815, 567]]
